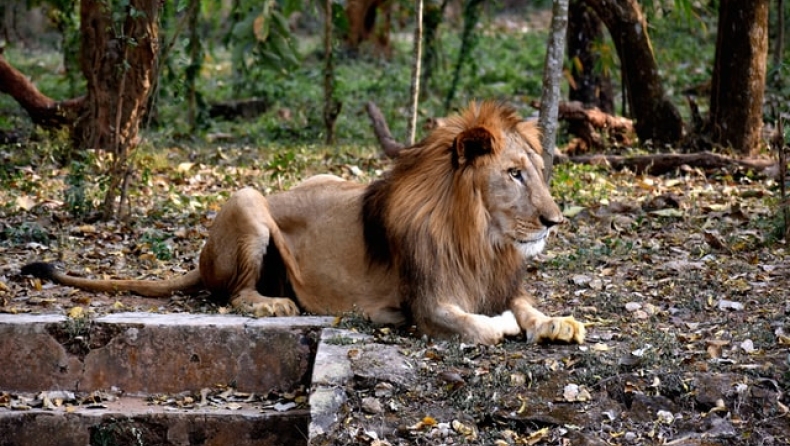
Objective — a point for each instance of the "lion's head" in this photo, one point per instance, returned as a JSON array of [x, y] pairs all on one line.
[[463, 209]]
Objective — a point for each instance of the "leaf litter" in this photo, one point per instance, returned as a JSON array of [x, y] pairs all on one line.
[[683, 288]]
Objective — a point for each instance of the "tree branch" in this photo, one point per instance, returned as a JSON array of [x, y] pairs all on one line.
[[42, 110], [381, 129]]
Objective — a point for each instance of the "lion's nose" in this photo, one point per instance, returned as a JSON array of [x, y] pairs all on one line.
[[551, 221]]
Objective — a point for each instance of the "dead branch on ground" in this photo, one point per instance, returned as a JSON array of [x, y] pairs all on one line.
[[661, 163], [381, 129]]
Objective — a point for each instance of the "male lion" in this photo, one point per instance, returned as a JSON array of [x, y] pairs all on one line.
[[440, 240]]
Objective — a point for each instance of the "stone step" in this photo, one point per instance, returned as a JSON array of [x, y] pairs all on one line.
[[139, 355], [129, 421]]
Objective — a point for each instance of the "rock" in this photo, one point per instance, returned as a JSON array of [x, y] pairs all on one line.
[[720, 428], [372, 405], [711, 389], [645, 408]]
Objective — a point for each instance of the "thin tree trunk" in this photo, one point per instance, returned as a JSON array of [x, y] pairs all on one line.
[[415, 74], [657, 119], [195, 63], [331, 105], [468, 42], [432, 18], [591, 86], [738, 84], [779, 46], [117, 57], [552, 75]]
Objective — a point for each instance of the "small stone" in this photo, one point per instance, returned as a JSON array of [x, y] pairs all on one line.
[[372, 405]]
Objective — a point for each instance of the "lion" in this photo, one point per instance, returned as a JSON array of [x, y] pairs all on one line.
[[440, 241]]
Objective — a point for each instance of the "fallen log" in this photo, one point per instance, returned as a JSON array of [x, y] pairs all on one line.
[[595, 129], [240, 108], [661, 163]]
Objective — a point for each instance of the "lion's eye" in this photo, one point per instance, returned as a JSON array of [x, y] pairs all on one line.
[[516, 174]]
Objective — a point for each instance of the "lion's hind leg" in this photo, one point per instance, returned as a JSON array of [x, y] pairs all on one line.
[[232, 261], [541, 328]]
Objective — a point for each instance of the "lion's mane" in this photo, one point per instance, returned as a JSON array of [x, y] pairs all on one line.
[[427, 216]]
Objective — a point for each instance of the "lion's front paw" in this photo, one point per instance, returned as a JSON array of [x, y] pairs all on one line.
[[274, 307], [559, 329]]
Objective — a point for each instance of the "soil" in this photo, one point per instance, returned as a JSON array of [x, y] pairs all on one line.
[[681, 279]]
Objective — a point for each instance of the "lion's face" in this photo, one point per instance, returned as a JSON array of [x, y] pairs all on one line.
[[519, 203]]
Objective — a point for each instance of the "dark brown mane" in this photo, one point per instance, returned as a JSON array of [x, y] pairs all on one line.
[[427, 218]]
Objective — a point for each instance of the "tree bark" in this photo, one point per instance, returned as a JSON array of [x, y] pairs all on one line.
[[657, 119], [43, 111], [117, 58], [739, 72], [591, 86], [552, 75]]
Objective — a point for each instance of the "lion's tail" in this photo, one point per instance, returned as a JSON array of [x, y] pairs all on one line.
[[188, 283]]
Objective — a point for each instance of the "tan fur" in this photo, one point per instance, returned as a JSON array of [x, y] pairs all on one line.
[[441, 240]]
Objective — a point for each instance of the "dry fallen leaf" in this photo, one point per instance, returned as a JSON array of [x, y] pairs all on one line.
[[76, 313], [25, 202], [536, 437]]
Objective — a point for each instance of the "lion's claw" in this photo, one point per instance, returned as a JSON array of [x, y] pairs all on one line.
[[559, 329]]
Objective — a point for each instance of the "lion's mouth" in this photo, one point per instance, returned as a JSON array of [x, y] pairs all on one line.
[[533, 239], [531, 246]]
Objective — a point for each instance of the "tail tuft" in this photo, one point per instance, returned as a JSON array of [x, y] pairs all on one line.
[[42, 270]]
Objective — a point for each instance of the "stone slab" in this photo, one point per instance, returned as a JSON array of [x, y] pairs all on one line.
[[152, 426], [146, 353], [343, 356]]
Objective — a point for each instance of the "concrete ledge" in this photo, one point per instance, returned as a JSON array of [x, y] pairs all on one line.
[[145, 353], [343, 356], [152, 427]]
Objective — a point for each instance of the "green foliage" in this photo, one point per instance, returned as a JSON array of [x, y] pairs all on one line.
[[26, 232], [260, 38], [76, 198], [158, 244], [580, 184]]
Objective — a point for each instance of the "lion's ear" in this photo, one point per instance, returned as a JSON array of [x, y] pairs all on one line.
[[472, 143]]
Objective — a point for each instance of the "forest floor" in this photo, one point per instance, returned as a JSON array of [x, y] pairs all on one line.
[[681, 280]]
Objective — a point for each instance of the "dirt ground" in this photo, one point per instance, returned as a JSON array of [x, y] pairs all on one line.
[[681, 280]]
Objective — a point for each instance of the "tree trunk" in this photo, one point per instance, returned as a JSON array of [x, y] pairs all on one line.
[[331, 104], [592, 86], [433, 14], [117, 56], [552, 75], [657, 119], [739, 74], [192, 72], [471, 15]]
